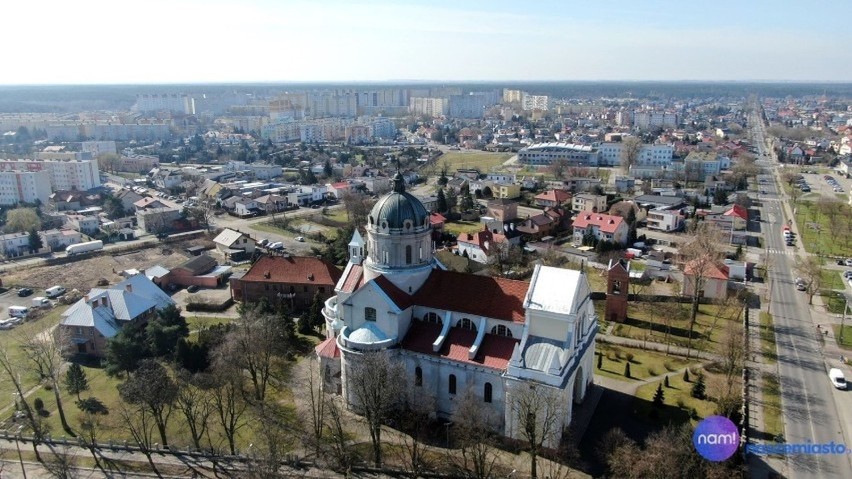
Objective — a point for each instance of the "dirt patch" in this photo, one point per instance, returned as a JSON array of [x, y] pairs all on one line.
[[85, 274]]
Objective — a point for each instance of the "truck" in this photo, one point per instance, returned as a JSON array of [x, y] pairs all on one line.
[[84, 247]]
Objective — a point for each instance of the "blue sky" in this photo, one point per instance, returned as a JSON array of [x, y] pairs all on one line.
[[177, 41]]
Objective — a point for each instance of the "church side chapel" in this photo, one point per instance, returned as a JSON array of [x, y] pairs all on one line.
[[456, 332]]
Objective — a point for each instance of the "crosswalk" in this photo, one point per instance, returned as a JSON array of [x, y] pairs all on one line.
[[788, 252]]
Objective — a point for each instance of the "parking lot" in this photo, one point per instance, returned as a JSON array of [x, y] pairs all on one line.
[[820, 186]]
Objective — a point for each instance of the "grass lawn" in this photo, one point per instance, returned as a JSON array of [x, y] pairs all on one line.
[[679, 397], [457, 227], [10, 341], [458, 263], [302, 225], [815, 230], [644, 364], [834, 301], [481, 160], [647, 321], [767, 338], [771, 389], [846, 343]]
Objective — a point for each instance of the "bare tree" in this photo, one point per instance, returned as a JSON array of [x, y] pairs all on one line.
[[151, 388], [202, 213], [62, 465], [193, 401], [45, 355], [139, 422], [414, 424], [37, 426], [537, 411], [357, 207], [809, 268], [273, 439], [701, 255], [228, 402], [375, 385], [339, 448], [733, 356], [91, 424], [315, 403], [631, 147], [474, 437]]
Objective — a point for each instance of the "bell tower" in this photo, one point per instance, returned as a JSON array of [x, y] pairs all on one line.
[[617, 288]]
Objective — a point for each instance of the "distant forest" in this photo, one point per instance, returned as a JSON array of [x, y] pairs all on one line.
[[75, 98]]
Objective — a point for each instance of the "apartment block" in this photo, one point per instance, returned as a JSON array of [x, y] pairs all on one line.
[[79, 175], [24, 186]]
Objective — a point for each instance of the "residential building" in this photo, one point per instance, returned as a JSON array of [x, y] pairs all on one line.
[[96, 318], [98, 148], [432, 107], [13, 245], [148, 203], [265, 171], [87, 225], [589, 203], [478, 246], [63, 174], [552, 221], [711, 279], [234, 244], [502, 210], [24, 187], [456, 332], [201, 270], [665, 220], [553, 198], [157, 220], [543, 154], [507, 191], [600, 226], [289, 280], [128, 198], [180, 103], [58, 240], [167, 179]]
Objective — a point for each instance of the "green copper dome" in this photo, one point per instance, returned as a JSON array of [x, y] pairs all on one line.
[[399, 210]]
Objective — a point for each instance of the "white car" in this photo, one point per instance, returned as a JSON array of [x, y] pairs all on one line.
[[837, 378], [848, 261], [301, 239], [276, 245]]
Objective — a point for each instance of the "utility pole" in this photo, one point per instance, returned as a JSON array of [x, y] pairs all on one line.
[[843, 318]]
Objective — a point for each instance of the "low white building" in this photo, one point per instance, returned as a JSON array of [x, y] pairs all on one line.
[[665, 220], [58, 240]]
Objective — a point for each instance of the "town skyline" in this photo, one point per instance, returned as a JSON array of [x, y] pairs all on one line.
[[378, 41]]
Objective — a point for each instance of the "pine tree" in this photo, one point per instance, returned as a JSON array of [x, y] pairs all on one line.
[[659, 397], [698, 389], [686, 375], [627, 370], [34, 240], [442, 201], [600, 361], [317, 318], [75, 380]]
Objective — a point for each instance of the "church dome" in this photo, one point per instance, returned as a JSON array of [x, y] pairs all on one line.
[[368, 334], [398, 210]]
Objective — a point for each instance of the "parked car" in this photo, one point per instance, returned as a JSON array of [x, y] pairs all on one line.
[[276, 245], [192, 288], [837, 378], [24, 292], [262, 242], [300, 239], [849, 262], [847, 274]]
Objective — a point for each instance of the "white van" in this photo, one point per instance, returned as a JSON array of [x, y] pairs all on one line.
[[54, 291], [837, 378], [41, 302], [18, 311]]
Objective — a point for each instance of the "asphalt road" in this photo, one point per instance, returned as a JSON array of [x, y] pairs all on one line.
[[813, 410]]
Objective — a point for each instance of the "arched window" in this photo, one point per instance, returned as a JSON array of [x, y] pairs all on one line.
[[466, 323], [501, 330], [452, 387], [369, 314], [486, 393], [432, 317], [418, 376], [408, 254]]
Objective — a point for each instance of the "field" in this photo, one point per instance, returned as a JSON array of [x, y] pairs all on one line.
[[820, 234], [482, 160]]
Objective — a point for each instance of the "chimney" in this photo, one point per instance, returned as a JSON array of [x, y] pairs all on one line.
[[128, 287], [266, 274], [311, 277], [86, 298]]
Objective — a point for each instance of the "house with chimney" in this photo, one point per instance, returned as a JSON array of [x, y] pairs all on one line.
[[600, 226], [289, 280], [97, 317]]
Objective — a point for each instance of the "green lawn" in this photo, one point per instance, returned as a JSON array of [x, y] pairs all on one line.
[[645, 364], [846, 342], [457, 227], [482, 160], [819, 234], [831, 279], [647, 321], [297, 227], [678, 395], [767, 338], [772, 421], [10, 341]]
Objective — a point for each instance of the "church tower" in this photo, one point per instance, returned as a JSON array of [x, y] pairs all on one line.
[[617, 287], [356, 248], [399, 239]]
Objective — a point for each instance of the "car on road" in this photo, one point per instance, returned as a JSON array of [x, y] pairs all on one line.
[[849, 262], [837, 378], [847, 274], [192, 288], [300, 239], [24, 292]]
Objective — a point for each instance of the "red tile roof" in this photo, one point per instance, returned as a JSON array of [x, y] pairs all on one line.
[[606, 223], [713, 271], [498, 298], [399, 297], [328, 349], [558, 196], [494, 352], [353, 281], [739, 211], [293, 270]]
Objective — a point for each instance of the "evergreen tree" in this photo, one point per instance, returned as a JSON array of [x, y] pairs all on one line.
[[600, 361], [164, 331], [666, 382], [327, 168], [75, 380], [698, 389], [315, 313], [627, 370], [659, 397], [442, 201], [35, 242], [686, 375]]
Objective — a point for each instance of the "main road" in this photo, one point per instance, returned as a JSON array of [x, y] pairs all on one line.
[[813, 410]]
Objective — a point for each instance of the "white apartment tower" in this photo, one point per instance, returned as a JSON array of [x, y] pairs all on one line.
[[81, 175], [24, 186]]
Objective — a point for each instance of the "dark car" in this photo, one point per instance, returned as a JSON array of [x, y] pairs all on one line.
[[25, 292], [192, 288]]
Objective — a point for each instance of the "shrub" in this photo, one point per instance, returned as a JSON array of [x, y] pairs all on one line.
[[669, 366], [629, 357], [619, 354], [680, 403], [652, 372], [686, 375], [38, 404]]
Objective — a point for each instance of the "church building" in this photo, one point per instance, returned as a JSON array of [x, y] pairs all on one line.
[[455, 332]]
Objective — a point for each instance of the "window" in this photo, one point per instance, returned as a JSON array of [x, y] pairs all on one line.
[[486, 393], [501, 330], [432, 318], [616, 287], [452, 386], [466, 323], [369, 314], [418, 376], [408, 254]]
